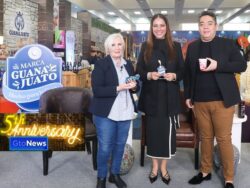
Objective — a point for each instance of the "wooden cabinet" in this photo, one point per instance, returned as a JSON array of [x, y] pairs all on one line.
[[81, 79]]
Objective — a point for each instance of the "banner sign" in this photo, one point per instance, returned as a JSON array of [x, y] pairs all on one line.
[[41, 132], [29, 143], [33, 70], [70, 47]]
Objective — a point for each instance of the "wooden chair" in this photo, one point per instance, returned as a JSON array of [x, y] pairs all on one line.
[[70, 100], [186, 135]]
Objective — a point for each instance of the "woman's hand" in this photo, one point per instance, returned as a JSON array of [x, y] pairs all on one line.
[[154, 75], [170, 76], [129, 85]]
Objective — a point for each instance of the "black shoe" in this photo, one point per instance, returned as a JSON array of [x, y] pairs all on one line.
[[152, 177], [116, 179], [101, 183], [199, 178], [166, 178], [229, 185]]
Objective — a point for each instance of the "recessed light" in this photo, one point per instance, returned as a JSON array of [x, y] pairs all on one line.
[[191, 11], [164, 12], [218, 11], [111, 13], [247, 11], [137, 12]]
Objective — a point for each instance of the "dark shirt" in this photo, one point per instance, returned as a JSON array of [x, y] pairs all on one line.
[[206, 87]]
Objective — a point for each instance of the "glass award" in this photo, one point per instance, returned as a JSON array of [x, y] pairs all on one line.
[[161, 69]]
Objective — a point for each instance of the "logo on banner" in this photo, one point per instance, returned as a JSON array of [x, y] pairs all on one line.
[[19, 26], [19, 21], [32, 71]]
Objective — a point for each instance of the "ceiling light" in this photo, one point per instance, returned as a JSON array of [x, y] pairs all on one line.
[[205, 9], [191, 11], [247, 11], [1, 39], [218, 11], [164, 12], [137, 12], [111, 13]]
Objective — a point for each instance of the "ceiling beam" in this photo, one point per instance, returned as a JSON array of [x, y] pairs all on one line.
[[215, 5], [179, 4], [112, 8], [236, 14], [145, 8]]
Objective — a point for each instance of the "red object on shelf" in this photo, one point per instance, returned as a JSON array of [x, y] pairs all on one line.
[[7, 106]]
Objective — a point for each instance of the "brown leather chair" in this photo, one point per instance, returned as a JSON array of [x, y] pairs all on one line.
[[186, 135], [70, 100]]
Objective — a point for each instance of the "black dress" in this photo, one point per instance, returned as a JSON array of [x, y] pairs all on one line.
[[161, 131], [160, 126]]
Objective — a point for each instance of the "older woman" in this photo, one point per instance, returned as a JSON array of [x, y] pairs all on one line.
[[113, 108]]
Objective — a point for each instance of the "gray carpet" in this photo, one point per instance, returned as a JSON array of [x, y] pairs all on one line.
[[74, 170]]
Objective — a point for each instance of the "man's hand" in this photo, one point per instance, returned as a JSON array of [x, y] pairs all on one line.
[[189, 103], [212, 66]]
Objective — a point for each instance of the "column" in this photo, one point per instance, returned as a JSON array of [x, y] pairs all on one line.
[[45, 23], [85, 17]]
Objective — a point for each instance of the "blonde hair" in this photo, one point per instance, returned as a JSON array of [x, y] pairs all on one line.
[[110, 39]]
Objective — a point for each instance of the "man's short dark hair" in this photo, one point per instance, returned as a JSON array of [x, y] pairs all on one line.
[[208, 13]]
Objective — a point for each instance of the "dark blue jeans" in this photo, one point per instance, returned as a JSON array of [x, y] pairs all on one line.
[[112, 137]]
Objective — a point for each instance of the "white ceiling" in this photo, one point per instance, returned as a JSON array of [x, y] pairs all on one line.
[[233, 11]]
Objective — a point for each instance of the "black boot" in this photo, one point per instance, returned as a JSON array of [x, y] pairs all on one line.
[[101, 183], [116, 179]]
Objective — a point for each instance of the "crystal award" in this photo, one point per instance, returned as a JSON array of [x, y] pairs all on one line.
[[161, 69]]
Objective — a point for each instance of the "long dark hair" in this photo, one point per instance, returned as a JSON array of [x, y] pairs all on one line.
[[151, 38]]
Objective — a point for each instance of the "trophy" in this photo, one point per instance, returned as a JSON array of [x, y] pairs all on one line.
[[133, 78], [161, 69]]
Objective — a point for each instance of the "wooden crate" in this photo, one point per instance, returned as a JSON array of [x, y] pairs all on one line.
[[81, 79], [84, 78], [70, 79]]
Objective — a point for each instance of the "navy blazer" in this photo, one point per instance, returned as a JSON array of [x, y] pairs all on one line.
[[104, 81], [229, 60]]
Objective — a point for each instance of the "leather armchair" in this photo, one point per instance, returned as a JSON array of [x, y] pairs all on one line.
[[70, 100]]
